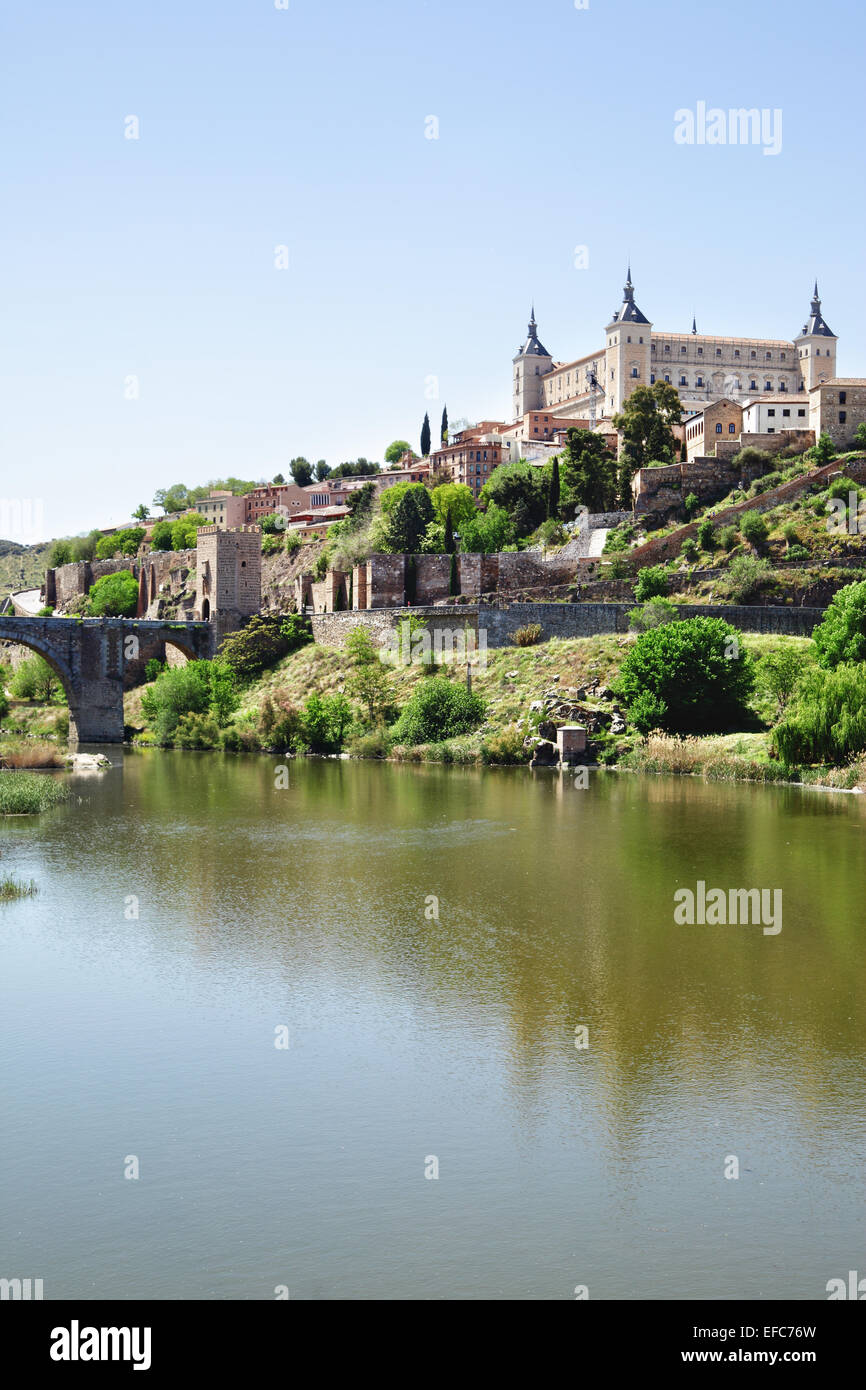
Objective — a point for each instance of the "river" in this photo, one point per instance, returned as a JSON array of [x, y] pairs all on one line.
[[332, 1025]]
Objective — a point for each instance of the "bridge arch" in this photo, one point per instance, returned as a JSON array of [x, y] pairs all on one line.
[[36, 642]]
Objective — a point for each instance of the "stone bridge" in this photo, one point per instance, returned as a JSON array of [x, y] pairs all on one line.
[[98, 658]]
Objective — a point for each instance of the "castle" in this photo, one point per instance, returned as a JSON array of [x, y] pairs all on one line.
[[701, 367]]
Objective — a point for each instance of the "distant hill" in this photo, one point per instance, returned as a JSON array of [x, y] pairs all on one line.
[[22, 566]]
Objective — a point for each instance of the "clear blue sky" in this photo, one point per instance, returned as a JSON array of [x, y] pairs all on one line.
[[409, 257]]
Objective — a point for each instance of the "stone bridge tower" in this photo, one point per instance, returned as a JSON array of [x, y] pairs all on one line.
[[228, 576]]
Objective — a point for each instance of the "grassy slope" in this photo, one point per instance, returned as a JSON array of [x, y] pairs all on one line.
[[513, 678]]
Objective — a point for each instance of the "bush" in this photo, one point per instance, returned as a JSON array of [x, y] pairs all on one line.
[[46, 612], [688, 549], [279, 723], [528, 635], [272, 545], [160, 536], [753, 528], [696, 673], [829, 721], [35, 680], [647, 712], [652, 582], [728, 537], [262, 642], [750, 457], [369, 745], [325, 720], [293, 542], [154, 668], [199, 687], [114, 596], [439, 709], [125, 542], [707, 534], [798, 552], [790, 532], [196, 731], [841, 635], [505, 747], [746, 576], [691, 503], [4, 704], [653, 614]]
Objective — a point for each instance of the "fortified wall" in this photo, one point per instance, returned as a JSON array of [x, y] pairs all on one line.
[[396, 581]]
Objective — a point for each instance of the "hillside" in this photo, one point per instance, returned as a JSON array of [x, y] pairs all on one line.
[[22, 566]]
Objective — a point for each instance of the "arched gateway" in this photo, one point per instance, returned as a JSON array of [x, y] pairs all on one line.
[[95, 659]]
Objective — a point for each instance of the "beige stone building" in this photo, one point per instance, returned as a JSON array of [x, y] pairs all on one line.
[[222, 508], [714, 430], [701, 367], [228, 575], [837, 407]]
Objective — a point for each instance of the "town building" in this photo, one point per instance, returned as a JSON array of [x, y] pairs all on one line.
[[838, 407], [771, 414], [222, 508]]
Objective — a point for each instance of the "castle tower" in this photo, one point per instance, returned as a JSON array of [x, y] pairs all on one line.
[[816, 345], [228, 570], [530, 365], [628, 341]]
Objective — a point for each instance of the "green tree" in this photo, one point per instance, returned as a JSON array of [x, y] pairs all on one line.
[[172, 499], [425, 437], [325, 720], [34, 679], [368, 680], [841, 635], [646, 423], [140, 513], [652, 582], [779, 674], [696, 671], [860, 435], [184, 531], [456, 500], [521, 491], [160, 536], [114, 596], [753, 529], [443, 431], [302, 471], [278, 480], [825, 450], [59, 554], [588, 473], [487, 532], [407, 509], [707, 534], [323, 471], [395, 450]]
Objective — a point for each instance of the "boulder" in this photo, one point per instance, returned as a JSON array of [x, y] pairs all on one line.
[[546, 754], [536, 707], [547, 730]]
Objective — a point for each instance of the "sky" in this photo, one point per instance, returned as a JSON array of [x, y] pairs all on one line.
[[335, 217]]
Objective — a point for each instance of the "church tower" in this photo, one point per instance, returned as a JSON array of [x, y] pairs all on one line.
[[628, 341], [530, 365], [816, 345]]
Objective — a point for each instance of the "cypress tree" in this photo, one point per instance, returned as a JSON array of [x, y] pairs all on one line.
[[425, 436], [449, 533], [453, 582], [553, 493], [444, 434]]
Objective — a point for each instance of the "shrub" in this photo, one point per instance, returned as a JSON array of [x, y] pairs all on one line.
[[841, 635], [439, 709], [688, 549], [695, 671], [199, 687], [160, 536], [790, 532], [196, 731], [325, 720], [279, 723], [647, 712], [262, 642], [691, 503], [798, 552], [654, 613], [652, 582], [505, 747], [753, 529], [707, 534], [4, 704], [746, 575], [293, 542], [34, 679], [29, 753], [779, 674], [750, 457], [528, 635], [272, 545], [369, 745], [114, 596], [829, 719], [154, 668], [46, 612], [25, 793]]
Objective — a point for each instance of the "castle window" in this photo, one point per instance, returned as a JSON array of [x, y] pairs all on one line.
[[786, 412], [817, 352], [700, 381], [769, 356], [667, 378], [843, 416], [771, 412], [782, 386], [700, 352], [683, 381], [801, 414], [653, 379], [753, 354], [640, 340], [736, 352], [682, 349], [768, 385], [628, 339], [843, 397], [718, 429], [718, 352], [667, 347], [634, 371], [782, 355], [753, 386], [732, 429]]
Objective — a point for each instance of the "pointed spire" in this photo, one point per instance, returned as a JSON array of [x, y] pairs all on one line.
[[816, 325], [694, 324], [629, 313], [532, 345]]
